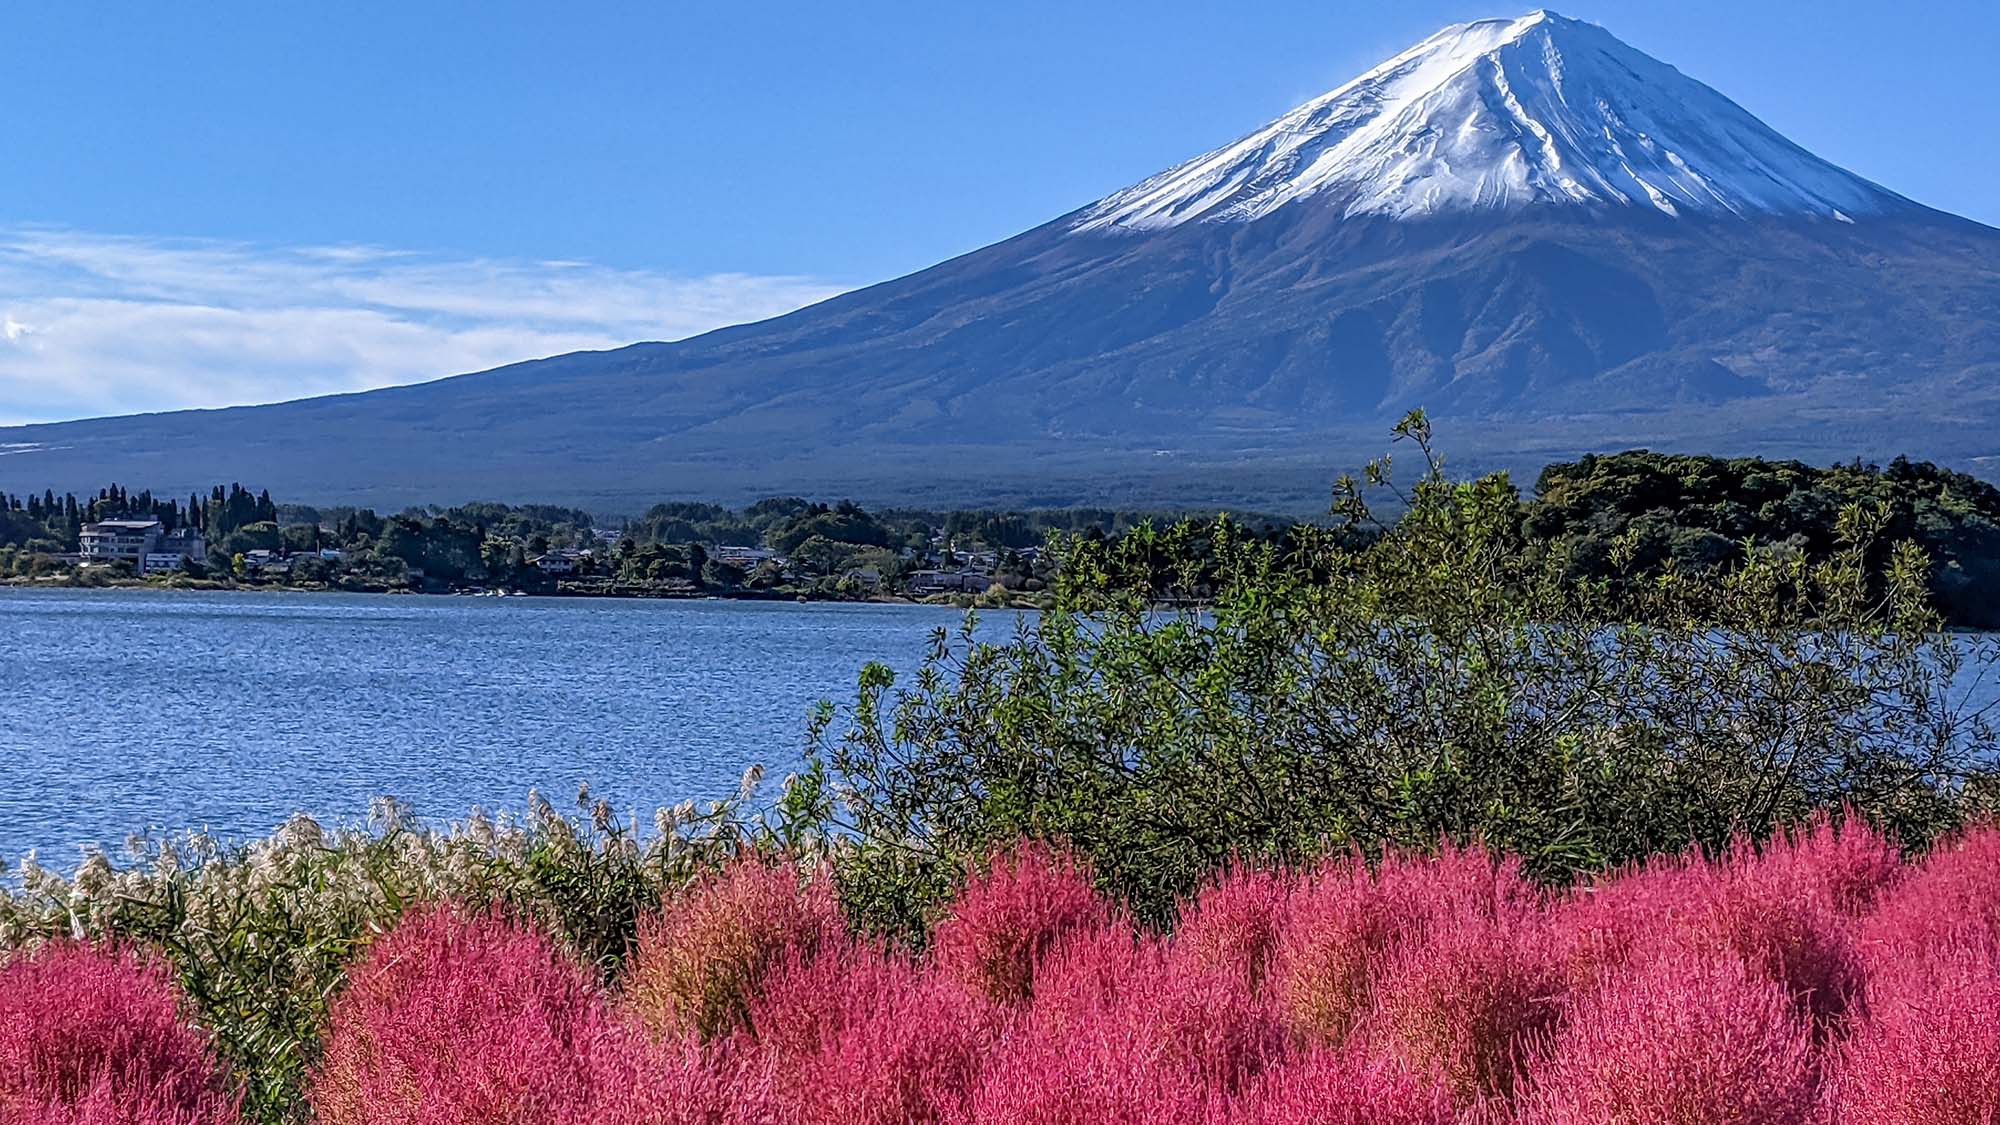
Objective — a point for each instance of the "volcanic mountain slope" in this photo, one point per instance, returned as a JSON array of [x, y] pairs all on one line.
[[1551, 240]]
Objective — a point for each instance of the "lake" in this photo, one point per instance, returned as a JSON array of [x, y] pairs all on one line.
[[127, 710], [135, 710]]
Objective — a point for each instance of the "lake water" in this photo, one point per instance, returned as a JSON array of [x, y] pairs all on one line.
[[131, 710], [123, 710]]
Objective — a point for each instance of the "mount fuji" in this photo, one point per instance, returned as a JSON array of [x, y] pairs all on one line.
[[1552, 241]]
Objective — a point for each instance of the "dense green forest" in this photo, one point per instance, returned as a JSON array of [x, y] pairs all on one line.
[[1621, 518], [1705, 512]]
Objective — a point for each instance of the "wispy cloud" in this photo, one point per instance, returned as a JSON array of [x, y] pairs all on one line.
[[102, 324]]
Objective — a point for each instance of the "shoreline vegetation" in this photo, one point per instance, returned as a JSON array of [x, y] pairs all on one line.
[[1419, 820], [1626, 517]]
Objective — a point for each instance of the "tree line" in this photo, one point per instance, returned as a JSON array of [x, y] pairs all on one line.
[[1624, 518]]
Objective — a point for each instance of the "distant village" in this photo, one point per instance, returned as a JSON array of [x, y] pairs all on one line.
[[781, 547], [148, 547]]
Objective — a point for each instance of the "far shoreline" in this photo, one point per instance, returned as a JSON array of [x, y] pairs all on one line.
[[959, 602]]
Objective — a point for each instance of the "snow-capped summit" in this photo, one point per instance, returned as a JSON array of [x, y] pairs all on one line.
[[1500, 114]]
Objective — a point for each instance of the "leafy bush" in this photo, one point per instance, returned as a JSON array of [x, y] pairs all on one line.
[[1199, 694]]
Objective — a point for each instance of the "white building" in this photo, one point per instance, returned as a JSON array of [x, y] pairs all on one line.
[[146, 545]]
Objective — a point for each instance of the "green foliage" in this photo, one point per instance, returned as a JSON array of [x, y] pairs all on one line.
[[658, 563], [843, 523], [260, 536], [1702, 511], [1441, 678]]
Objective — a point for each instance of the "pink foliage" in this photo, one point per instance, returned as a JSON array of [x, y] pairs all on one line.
[[1785, 913], [1841, 861], [700, 961], [1336, 926], [1007, 917], [1929, 1055], [1678, 1039], [1598, 927], [1776, 922], [1232, 926], [1463, 1003], [456, 1019], [91, 1035], [1124, 1031], [865, 1036], [1344, 1087], [1951, 901], [639, 1080]]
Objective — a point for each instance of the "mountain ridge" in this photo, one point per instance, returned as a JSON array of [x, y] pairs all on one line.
[[1211, 361]]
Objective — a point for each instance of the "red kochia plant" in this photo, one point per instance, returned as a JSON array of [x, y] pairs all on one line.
[[1007, 917], [1121, 1030], [1472, 979], [1344, 1087], [640, 1080], [1842, 861], [89, 1034], [1463, 1003], [1928, 1054], [1336, 925], [1779, 920], [701, 960], [461, 1019], [864, 1035], [1678, 1039], [1232, 925], [1951, 901]]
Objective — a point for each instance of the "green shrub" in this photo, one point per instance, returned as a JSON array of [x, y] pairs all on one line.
[[1197, 695]]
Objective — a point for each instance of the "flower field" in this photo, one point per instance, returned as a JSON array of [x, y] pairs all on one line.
[[1821, 979]]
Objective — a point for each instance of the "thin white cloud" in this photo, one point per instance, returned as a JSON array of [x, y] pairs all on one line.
[[96, 324]]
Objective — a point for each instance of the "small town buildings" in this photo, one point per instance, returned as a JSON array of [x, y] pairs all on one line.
[[744, 558], [951, 582], [145, 545], [554, 563]]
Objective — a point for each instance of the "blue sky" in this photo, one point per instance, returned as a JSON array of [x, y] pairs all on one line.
[[232, 202]]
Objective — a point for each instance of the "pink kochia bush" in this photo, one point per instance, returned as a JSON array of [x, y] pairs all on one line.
[[1678, 1040], [1817, 979], [1008, 917], [864, 1035], [1470, 982], [1120, 1029], [1927, 1054], [92, 1035], [702, 959], [462, 1019]]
